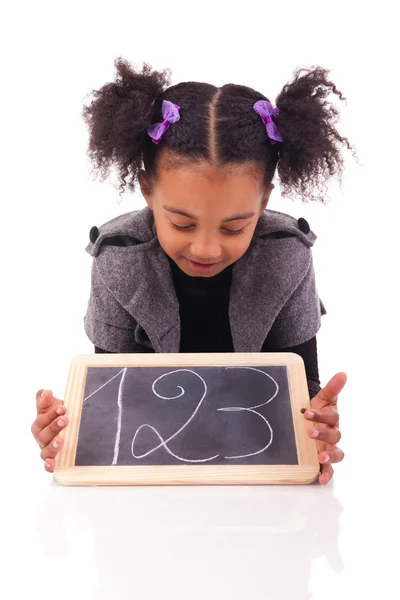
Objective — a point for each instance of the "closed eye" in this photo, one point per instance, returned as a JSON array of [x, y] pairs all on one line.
[[180, 228], [234, 231], [226, 231]]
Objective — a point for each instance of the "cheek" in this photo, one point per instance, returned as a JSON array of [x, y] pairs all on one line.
[[238, 245], [171, 241]]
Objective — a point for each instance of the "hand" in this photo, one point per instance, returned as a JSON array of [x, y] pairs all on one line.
[[50, 420], [323, 410]]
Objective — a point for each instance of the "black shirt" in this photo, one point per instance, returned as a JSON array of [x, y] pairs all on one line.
[[205, 326], [203, 309]]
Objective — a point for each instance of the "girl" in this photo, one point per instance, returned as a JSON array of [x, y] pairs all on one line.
[[205, 267]]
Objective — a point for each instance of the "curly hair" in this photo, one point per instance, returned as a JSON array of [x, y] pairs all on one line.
[[217, 125]]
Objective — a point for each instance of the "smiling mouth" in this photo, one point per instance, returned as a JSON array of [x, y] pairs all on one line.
[[200, 267]]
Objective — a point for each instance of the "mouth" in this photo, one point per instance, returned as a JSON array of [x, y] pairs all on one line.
[[201, 267]]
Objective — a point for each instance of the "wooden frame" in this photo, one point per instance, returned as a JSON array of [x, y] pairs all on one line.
[[305, 472]]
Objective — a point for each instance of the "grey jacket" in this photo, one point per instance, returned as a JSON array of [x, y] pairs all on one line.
[[133, 306]]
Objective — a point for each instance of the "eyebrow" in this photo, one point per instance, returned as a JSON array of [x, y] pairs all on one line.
[[238, 217]]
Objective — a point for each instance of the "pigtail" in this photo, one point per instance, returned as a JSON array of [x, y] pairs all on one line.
[[310, 153], [118, 117]]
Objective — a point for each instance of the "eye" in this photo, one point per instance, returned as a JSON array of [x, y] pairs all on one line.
[[226, 231], [180, 228], [234, 231]]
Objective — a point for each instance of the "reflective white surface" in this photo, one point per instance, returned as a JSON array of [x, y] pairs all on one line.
[[288, 543]]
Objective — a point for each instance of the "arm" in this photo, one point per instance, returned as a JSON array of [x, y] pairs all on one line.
[[108, 324], [136, 349], [308, 352], [296, 326]]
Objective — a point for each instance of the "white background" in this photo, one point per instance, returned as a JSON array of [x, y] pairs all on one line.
[[293, 543]]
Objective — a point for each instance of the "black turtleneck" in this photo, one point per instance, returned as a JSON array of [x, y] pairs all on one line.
[[203, 308]]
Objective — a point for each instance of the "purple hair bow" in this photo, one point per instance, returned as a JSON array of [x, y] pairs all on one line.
[[170, 113], [266, 112]]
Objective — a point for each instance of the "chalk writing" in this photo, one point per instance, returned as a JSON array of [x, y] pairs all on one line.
[[251, 409], [186, 415], [171, 437]]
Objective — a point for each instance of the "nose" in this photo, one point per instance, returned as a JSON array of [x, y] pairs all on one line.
[[205, 249]]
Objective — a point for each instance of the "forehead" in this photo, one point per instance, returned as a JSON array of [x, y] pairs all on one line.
[[204, 185]]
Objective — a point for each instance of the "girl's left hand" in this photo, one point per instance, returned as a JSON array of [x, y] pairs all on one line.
[[323, 411]]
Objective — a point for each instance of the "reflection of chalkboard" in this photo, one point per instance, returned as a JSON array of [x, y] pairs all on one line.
[[176, 419], [164, 416]]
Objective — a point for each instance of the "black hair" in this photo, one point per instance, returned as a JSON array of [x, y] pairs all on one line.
[[218, 125]]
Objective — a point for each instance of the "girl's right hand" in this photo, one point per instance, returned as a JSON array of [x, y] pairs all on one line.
[[50, 420]]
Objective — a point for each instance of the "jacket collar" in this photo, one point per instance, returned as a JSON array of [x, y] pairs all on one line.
[[139, 276]]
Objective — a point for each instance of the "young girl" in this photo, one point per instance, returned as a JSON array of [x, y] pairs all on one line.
[[205, 267]]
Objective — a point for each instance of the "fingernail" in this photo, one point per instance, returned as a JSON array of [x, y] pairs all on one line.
[[310, 414], [47, 465], [60, 423], [327, 458], [55, 444], [43, 393], [60, 410], [315, 433]]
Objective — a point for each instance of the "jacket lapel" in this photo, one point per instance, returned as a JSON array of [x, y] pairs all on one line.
[[140, 278], [260, 290]]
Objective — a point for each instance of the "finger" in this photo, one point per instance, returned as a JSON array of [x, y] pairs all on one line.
[[49, 464], [328, 416], [48, 434], [44, 401], [329, 435], [325, 474], [331, 456], [43, 420], [330, 392], [52, 449]]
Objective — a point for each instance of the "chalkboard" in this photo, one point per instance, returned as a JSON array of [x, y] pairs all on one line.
[[216, 415], [167, 412]]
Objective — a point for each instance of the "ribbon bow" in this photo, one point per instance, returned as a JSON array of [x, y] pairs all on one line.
[[266, 112], [170, 113]]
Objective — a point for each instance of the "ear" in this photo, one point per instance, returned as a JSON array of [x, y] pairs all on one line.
[[265, 198], [145, 187]]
